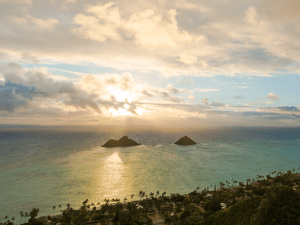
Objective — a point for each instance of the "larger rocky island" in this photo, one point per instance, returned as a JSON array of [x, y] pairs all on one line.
[[123, 142], [185, 141]]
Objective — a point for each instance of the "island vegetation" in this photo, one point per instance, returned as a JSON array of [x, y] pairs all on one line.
[[271, 199]]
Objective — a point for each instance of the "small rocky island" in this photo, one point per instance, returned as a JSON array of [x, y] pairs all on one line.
[[185, 141], [123, 142]]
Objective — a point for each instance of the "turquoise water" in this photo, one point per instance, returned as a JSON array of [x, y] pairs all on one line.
[[47, 168]]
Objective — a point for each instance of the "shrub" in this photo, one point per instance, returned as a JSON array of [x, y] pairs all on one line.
[[185, 213], [208, 213], [281, 206], [212, 205]]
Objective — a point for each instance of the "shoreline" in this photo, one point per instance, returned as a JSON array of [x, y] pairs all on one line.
[[163, 206]]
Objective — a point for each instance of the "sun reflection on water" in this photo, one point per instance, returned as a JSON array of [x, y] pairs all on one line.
[[112, 180]]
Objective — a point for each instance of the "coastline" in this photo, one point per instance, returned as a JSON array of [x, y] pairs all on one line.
[[160, 208]]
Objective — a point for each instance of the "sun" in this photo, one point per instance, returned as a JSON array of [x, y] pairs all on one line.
[[121, 95]]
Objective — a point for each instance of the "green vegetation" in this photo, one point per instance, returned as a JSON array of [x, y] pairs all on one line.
[[269, 200]]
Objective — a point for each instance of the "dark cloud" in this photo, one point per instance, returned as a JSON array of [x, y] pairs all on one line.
[[164, 94], [217, 104], [145, 92], [239, 97], [173, 90], [9, 100], [39, 85], [289, 108]]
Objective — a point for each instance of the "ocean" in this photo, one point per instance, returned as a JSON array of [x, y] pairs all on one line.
[[43, 168]]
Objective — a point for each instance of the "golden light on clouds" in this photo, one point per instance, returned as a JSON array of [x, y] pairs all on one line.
[[110, 61]]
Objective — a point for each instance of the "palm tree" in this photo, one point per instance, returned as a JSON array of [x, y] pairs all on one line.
[[26, 214], [125, 199], [21, 214], [106, 200], [132, 196], [157, 193], [53, 209], [151, 194], [84, 202], [140, 194]]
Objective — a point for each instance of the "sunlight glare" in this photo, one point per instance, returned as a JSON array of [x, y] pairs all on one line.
[[121, 95]]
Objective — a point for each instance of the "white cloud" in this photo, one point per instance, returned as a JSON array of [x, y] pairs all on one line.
[[191, 97], [272, 96], [251, 103], [205, 90], [188, 59], [44, 24], [148, 29], [92, 29]]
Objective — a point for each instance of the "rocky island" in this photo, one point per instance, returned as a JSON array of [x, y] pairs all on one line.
[[123, 142], [185, 141]]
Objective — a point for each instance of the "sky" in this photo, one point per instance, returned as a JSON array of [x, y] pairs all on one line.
[[150, 64]]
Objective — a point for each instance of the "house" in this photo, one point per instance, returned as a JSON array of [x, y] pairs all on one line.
[[165, 207], [157, 219], [223, 205], [139, 206], [208, 195], [191, 206], [44, 220], [144, 220]]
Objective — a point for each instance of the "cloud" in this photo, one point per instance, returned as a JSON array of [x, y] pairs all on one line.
[[251, 104], [282, 110], [147, 28], [188, 59], [205, 90], [185, 80], [44, 24], [22, 2], [92, 28], [171, 89], [205, 101], [9, 99], [191, 97], [273, 97], [239, 97], [24, 86], [199, 39], [145, 92], [217, 104]]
